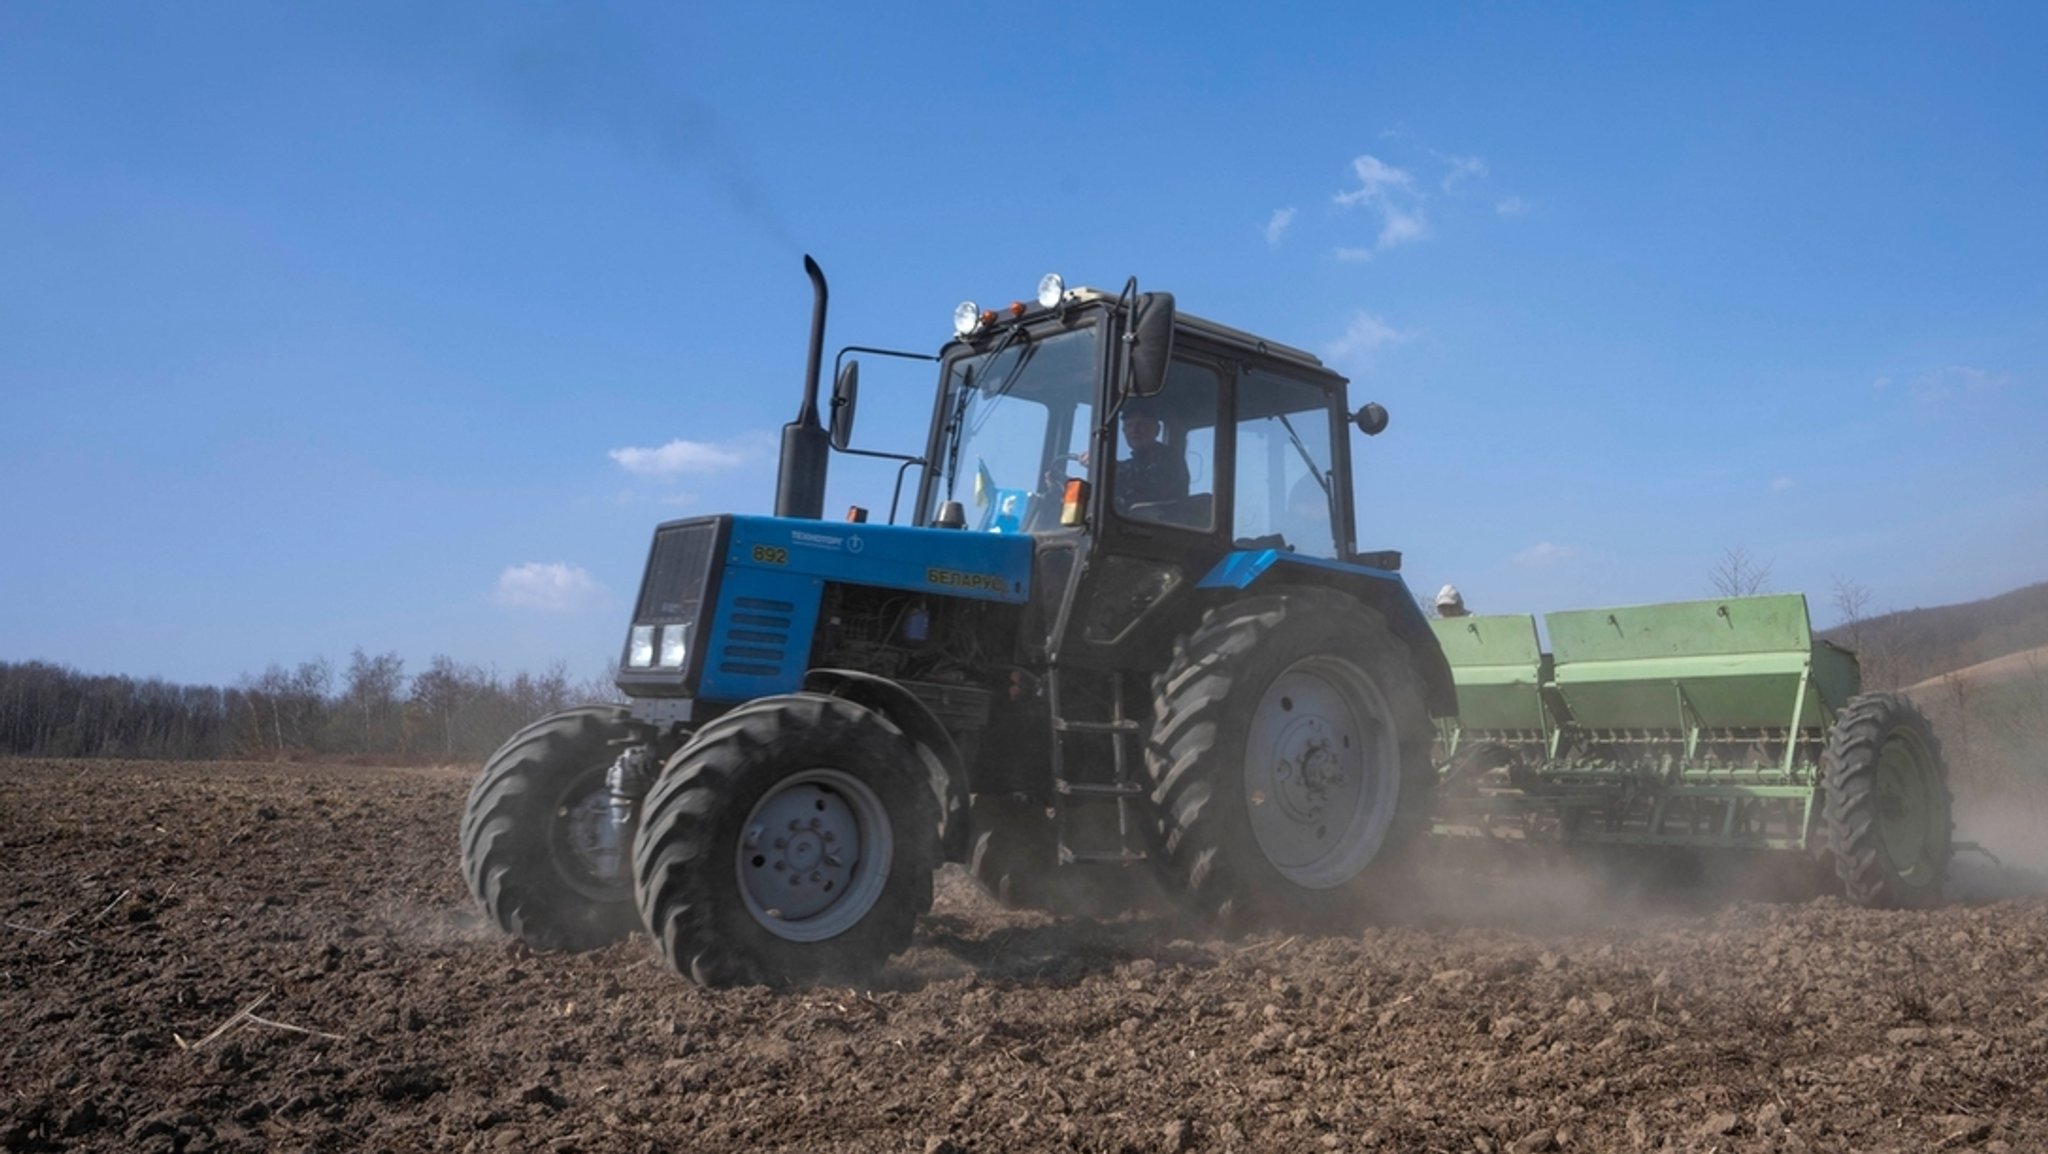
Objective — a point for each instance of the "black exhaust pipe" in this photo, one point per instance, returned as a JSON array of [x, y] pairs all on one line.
[[806, 446]]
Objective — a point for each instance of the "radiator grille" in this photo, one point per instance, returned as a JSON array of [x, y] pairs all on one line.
[[757, 641], [678, 571]]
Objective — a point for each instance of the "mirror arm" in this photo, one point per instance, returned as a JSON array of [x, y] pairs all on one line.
[[839, 361], [839, 368]]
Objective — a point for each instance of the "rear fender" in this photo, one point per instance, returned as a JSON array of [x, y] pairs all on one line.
[[1382, 590]]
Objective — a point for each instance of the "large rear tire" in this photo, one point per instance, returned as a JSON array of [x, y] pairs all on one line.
[[792, 840], [535, 852], [1290, 754], [1888, 808]]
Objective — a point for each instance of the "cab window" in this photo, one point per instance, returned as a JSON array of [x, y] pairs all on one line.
[[1284, 487], [1165, 451]]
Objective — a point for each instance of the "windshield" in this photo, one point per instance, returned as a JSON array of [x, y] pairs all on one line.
[[1017, 425]]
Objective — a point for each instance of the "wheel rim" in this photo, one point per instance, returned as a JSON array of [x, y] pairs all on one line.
[[585, 845], [814, 855], [1905, 811], [1321, 772]]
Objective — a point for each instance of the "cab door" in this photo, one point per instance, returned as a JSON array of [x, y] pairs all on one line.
[[1145, 555]]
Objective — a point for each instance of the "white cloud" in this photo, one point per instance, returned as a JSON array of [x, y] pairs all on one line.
[[1375, 178], [680, 456], [1354, 255], [1399, 227], [1780, 484], [549, 586], [1512, 206], [1365, 334], [1277, 227], [1459, 169], [1392, 194], [1951, 383], [1544, 554]]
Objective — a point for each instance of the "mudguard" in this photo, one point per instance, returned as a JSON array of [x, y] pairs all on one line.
[[1383, 590]]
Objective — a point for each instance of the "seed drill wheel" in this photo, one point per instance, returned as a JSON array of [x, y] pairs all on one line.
[[792, 839], [1290, 753], [535, 848], [1887, 803]]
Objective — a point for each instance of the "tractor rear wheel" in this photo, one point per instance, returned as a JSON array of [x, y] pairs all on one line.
[[792, 840], [537, 847], [1290, 752], [1887, 804]]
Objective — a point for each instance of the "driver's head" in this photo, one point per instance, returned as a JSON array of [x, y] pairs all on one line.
[[1140, 418]]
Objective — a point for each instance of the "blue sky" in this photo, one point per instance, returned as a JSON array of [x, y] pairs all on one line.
[[400, 326]]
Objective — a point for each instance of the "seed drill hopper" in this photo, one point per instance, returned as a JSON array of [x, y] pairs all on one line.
[[1718, 725]]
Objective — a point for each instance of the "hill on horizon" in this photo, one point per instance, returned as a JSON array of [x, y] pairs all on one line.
[[1909, 646]]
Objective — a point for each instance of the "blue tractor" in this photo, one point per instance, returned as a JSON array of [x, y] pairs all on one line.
[[1127, 632]]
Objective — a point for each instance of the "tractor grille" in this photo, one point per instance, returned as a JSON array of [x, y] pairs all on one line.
[[678, 572], [757, 640]]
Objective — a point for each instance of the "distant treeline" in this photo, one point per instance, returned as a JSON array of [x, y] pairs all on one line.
[[372, 708]]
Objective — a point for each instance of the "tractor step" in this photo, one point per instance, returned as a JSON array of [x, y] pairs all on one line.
[[1094, 757], [1067, 725], [1100, 788], [1108, 857]]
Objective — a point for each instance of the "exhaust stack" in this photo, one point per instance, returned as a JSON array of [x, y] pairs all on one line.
[[806, 446]]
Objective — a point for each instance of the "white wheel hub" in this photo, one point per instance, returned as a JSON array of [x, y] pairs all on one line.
[[814, 855], [1322, 772]]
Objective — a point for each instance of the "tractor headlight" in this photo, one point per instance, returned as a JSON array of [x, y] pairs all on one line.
[[675, 645], [966, 318], [1051, 288], [640, 650]]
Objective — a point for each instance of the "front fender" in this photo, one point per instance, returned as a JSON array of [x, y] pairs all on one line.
[[910, 715]]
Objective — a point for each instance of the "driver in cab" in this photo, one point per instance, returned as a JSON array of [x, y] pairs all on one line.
[[1155, 471]]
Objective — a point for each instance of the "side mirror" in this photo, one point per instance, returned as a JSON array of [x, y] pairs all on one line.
[[1371, 418], [845, 394], [1151, 344]]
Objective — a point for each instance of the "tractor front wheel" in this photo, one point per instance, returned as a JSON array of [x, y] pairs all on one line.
[[1290, 752], [790, 841], [1887, 804], [540, 846]]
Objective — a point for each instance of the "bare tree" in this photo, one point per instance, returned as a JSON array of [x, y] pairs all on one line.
[[1851, 599], [603, 689], [1874, 647], [371, 700], [1737, 574]]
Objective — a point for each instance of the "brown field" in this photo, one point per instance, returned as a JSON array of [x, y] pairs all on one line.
[[147, 904]]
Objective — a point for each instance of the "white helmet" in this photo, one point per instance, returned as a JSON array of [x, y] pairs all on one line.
[[1448, 597]]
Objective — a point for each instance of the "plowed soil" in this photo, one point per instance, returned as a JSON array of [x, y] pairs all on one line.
[[244, 956]]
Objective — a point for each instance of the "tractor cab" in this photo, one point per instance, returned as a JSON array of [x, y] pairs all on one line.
[[1140, 446]]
